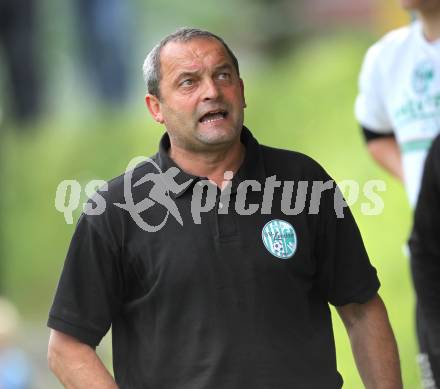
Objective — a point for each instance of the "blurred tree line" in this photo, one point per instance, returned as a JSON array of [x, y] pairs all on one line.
[[85, 54]]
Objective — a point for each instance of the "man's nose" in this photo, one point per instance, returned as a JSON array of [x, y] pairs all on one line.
[[211, 90]]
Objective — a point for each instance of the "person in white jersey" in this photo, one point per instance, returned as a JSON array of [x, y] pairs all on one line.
[[398, 108]]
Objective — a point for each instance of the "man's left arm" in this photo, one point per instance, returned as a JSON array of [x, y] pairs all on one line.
[[373, 343]]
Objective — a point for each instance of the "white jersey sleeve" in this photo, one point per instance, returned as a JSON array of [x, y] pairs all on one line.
[[370, 108]]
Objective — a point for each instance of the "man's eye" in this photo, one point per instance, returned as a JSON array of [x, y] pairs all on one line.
[[187, 82], [224, 76]]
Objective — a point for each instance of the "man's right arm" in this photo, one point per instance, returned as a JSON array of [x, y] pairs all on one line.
[[385, 151], [372, 111], [76, 364]]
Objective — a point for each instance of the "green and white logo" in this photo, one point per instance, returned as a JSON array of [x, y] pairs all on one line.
[[279, 238], [423, 76]]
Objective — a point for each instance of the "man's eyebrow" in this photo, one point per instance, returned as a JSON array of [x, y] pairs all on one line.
[[189, 73], [186, 73], [225, 66]]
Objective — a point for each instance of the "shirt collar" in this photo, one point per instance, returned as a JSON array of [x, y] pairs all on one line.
[[252, 167]]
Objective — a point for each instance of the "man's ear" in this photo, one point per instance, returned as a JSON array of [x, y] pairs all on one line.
[[242, 93], [154, 107]]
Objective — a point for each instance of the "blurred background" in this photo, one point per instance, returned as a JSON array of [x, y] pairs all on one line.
[[72, 107]]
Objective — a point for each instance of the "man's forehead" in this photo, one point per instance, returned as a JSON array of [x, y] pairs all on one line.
[[177, 53]]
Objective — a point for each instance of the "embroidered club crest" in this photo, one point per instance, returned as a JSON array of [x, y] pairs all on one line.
[[279, 238]]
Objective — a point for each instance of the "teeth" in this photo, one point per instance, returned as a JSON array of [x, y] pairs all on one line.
[[211, 120], [211, 117]]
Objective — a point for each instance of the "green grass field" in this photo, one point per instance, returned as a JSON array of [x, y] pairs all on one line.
[[304, 103]]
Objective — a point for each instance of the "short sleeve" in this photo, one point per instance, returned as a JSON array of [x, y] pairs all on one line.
[[370, 107], [90, 288], [345, 272]]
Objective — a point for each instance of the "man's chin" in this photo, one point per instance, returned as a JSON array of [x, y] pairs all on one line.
[[218, 135]]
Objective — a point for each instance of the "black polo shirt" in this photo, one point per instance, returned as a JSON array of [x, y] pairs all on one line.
[[219, 304], [424, 245]]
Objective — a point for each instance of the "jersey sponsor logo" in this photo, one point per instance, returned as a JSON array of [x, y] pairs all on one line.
[[423, 76], [279, 238]]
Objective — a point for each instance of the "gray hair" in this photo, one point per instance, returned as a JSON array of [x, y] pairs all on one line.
[[151, 67]]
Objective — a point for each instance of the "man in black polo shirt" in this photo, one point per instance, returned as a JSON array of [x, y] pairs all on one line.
[[208, 276], [424, 244]]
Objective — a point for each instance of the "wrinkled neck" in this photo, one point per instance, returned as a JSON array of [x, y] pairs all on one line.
[[213, 164]]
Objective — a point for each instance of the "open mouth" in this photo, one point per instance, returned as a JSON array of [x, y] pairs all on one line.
[[213, 116]]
